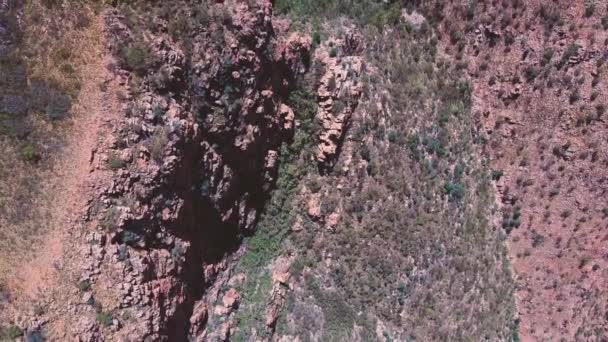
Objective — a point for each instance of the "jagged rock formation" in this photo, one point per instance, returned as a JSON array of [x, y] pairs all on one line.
[[421, 124], [194, 157], [210, 179], [338, 93]]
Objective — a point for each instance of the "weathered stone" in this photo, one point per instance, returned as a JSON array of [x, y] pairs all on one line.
[[231, 299]]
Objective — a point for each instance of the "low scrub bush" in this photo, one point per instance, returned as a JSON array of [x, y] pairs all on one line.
[[58, 106], [115, 162], [157, 144], [28, 153], [136, 58], [104, 319], [84, 285], [10, 333]]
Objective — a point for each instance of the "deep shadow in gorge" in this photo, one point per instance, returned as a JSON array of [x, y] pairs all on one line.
[[215, 99], [200, 224]]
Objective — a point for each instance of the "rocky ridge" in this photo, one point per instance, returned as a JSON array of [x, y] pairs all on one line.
[[193, 159], [338, 93]]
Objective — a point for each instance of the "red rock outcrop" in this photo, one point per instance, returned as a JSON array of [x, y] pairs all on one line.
[[194, 158], [338, 96]]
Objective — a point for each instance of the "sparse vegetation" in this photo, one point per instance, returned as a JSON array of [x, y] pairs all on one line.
[[372, 262], [41, 74], [29, 153], [104, 319], [83, 285], [157, 144], [401, 240], [115, 162], [10, 333], [278, 217], [530, 73], [136, 58], [109, 218], [571, 51], [366, 12]]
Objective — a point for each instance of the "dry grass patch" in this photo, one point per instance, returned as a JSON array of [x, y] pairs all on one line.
[[53, 48]]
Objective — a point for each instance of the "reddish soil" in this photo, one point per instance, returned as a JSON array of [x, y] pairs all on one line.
[[546, 133], [75, 177]]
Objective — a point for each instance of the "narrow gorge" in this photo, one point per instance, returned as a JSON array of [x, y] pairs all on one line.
[[303, 170]]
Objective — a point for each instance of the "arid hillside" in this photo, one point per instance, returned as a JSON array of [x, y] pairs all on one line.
[[41, 112], [540, 98], [303, 170]]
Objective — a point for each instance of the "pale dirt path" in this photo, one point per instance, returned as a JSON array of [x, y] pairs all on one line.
[[68, 193]]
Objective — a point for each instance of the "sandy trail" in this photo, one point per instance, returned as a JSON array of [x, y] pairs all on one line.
[[68, 192]]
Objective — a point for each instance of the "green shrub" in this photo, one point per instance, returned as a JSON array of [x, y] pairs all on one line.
[[201, 14], [84, 285], [470, 11], [115, 162], [177, 252], [455, 191], [594, 95], [104, 319], [136, 59], [179, 25], [547, 56], [338, 106], [600, 110], [509, 38], [331, 85], [550, 16], [387, 16], [11, 333], [14, 105], [157, 144], [574, 96], [316, 38], [497, 174], [530, 73], [28, 153], [537, 239], [584, 261], [393, 136], [333, 52], [129, 237], [110, 218], [455, 36]]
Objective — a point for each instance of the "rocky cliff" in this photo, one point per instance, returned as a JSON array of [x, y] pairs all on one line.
[[303, 170], [193, 157]]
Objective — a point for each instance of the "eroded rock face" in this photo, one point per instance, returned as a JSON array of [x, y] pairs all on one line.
[[194, 159], [338, 94]]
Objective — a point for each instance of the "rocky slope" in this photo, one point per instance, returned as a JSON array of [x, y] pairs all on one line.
[[296, 170], [193, 157], [539, 99]]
